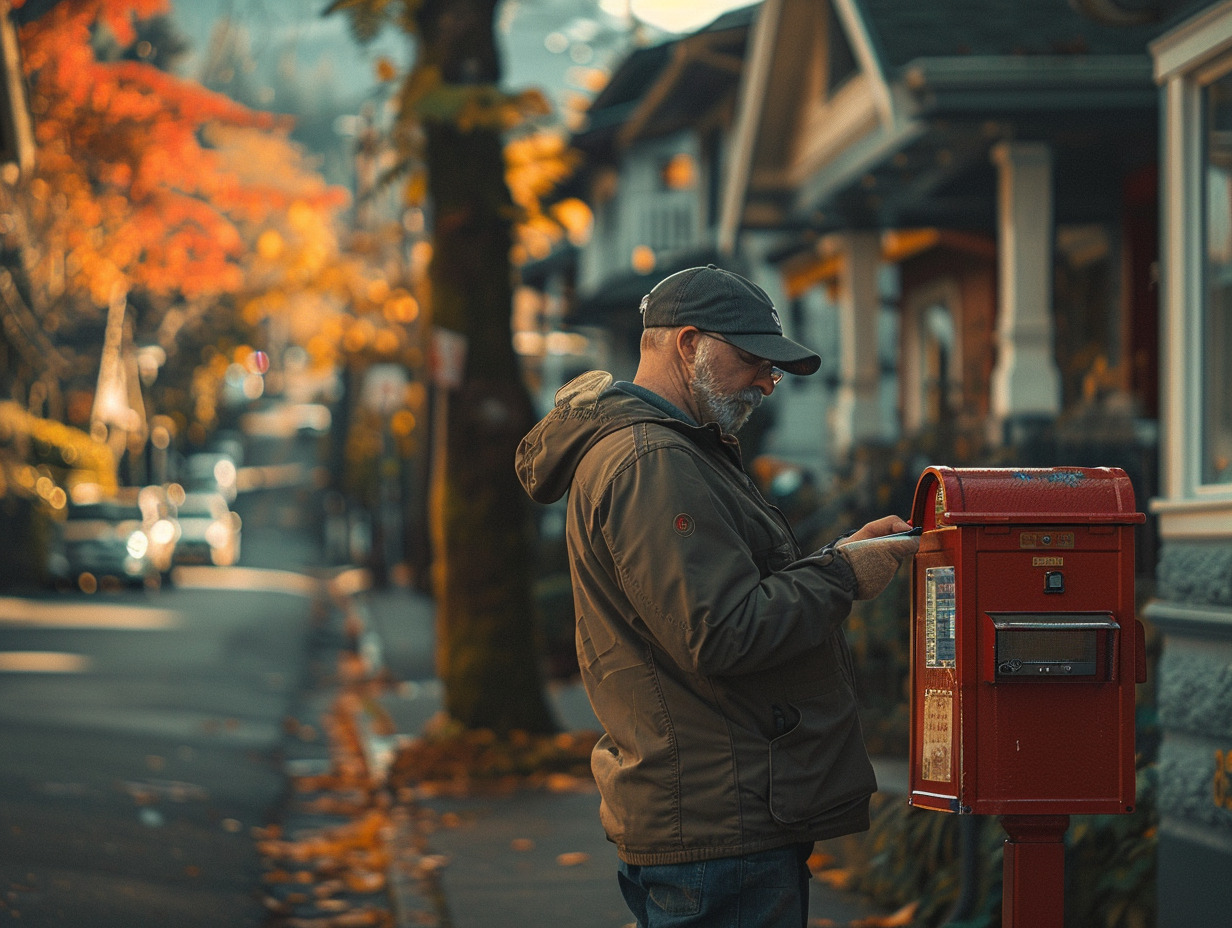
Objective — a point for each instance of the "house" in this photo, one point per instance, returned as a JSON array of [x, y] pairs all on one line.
[[1001, 157], [656, 142], [1193, 604], [1040, 195]]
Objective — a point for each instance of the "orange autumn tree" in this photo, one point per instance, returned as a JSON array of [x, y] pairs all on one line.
[[127, 213], [346, 297]]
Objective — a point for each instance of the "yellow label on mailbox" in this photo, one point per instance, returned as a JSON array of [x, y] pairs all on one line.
[[1047, 562], [937, 756], [1045, 539]]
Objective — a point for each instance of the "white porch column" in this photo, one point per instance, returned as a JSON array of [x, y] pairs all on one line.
[[857, 411], [1025, 381]]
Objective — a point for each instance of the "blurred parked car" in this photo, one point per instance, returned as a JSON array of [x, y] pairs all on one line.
[[128, 538], [211, 472], [229, 442], [209, 530]]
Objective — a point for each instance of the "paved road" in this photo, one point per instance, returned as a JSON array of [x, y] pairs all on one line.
[[141, 736]]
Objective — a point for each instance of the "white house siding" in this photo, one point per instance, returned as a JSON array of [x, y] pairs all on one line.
[[644, 212]]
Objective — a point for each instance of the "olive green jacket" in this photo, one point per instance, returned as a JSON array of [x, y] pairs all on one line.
[[711, 650]]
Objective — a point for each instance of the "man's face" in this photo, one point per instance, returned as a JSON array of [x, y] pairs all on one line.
[[712, 385]]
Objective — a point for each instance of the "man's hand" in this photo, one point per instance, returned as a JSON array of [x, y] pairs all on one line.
[[875, 558], [886, 525]]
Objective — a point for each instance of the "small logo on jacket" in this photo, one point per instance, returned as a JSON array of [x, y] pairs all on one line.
[[684, 524]]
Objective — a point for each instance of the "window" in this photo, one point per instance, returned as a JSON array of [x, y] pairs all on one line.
[[938, 338], [1216, 324]]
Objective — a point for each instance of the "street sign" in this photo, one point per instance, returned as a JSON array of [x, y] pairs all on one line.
[[447, 358]]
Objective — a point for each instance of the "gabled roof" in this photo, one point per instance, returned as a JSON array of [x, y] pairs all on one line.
[[901, 135], [902, 32], [659, 89]]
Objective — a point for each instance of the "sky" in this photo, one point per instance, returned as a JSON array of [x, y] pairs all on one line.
[[678, 15], [544, 41], [565, 48]]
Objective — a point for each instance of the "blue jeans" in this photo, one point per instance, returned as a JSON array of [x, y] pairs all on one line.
[[764, 890]]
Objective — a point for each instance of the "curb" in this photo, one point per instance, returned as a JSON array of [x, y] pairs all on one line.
[[416, 896]]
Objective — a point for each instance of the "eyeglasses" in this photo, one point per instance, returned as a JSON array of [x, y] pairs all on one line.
[[764, 367]]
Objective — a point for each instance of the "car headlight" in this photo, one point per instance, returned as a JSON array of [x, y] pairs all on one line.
[[218, 534], [162, 532], [137, 544]]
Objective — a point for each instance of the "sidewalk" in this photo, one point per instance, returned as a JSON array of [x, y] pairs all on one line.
[[522, 860]]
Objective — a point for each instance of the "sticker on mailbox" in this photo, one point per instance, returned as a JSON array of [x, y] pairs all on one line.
[[936, 757], [939, 617]]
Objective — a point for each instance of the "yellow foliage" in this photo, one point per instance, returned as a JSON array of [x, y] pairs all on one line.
[[385, 70], [378, 290], [387, 341], [402, 423], [402, 307], [416, 189], [269, 245], [302, 217], [576, 218], [76, 447]]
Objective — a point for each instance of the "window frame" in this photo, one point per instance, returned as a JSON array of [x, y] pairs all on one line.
[[1187, 61]]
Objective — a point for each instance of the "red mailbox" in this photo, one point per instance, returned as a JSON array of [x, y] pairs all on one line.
[[1025, 649]]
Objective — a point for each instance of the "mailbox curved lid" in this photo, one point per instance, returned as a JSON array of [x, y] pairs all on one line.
[[1030, 495]]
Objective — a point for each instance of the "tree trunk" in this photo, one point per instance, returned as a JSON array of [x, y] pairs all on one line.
[[488, 653]]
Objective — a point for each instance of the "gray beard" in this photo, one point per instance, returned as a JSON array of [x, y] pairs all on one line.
[[728, 410]]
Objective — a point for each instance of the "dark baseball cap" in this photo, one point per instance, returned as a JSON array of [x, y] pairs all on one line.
[[715, 300]]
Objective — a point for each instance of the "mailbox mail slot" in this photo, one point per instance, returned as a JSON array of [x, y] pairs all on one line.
[[1025, 648], [1056, 646]]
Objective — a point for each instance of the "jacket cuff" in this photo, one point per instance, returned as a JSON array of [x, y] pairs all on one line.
[[829, 559]]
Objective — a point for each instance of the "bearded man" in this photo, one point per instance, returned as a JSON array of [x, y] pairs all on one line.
[[710, 645]]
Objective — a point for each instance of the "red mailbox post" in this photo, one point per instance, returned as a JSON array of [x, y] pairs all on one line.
[[1024, 656]]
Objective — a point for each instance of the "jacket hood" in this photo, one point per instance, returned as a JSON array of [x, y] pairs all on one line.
[[586, 410]]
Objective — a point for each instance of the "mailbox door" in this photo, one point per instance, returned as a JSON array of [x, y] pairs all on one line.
[[1059, 737]]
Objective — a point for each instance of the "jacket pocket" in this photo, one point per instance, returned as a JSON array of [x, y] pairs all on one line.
[[820, 761]]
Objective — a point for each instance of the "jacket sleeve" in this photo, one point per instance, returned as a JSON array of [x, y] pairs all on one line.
[[689, 572]]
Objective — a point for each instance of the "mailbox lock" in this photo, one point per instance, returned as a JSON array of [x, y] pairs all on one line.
[[1054, 581]]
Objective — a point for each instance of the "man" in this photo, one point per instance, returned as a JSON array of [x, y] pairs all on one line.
[[710, 647]]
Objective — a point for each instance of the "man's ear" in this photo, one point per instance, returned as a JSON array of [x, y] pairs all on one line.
[[687, 340]]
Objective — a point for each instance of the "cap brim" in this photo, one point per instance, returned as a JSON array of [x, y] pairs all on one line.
[[779, 351]]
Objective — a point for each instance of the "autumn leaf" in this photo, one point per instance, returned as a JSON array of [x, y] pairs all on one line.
[[903, 918], [837, 877]]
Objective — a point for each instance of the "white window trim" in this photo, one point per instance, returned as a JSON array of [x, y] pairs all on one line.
[[1186, 61]]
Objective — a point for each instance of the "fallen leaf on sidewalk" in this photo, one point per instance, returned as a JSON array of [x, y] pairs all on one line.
[[449, 760], [432, 862], [819, 861], [838, 877], [900, 919], [572, 858], [567, 783], [364, 881], [362, 918], [522, 844]]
